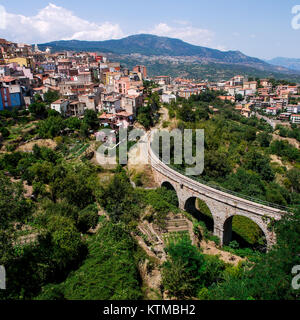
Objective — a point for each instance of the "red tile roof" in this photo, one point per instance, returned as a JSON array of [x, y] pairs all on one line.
[[7, 79]]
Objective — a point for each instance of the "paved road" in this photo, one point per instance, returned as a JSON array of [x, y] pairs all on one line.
[[271, 122]]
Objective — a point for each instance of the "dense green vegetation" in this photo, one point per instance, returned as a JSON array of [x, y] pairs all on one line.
[[47, 247], [286, 132], [64, 197], [108, 273]]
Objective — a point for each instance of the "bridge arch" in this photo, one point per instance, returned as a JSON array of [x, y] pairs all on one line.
[[253, 229], [169, 186], [199, 209]]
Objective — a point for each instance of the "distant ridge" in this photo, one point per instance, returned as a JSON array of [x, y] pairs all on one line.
[[154, 46], [290, 63]]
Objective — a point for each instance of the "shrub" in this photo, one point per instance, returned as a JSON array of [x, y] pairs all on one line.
[[88, 218]]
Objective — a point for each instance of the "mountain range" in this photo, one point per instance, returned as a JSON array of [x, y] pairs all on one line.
[[290, 63], [154, 50]]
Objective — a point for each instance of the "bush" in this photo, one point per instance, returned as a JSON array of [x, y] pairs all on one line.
[[5, 132], [88, 218], [137, 179], [165, 124]]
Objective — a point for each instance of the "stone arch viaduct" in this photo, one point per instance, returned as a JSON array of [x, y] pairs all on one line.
[[223, 206]]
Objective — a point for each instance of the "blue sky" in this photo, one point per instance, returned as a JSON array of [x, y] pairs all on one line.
[[257, 28]]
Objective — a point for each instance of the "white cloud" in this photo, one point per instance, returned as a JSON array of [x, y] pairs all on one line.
[[186, 33], [55, 23], [2, 18]]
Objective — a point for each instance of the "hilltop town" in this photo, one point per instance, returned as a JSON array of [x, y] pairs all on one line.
[[89, 81]]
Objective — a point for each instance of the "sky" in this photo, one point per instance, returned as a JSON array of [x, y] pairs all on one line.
[[258, 28]]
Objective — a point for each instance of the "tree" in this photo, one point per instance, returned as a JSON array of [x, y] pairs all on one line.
[[91, 119], [239, 97], [277, 194], [88, 218], [38, 109], [186, 113], [51, 96], [60, 243], [294, 177], [245, 182], [176, 281], [257, 162], [14, 209], [144, 120], [285, 150], [75, 184], [73, 123], [250, 134], [108, 273], [216, 164], [51, 127], [264, 139], [214, 268], [84, 129], [119, 199], [61, 208], [201, 114], [41, 172], [5, 132], [183, 272], [38, 98], [53, 113]]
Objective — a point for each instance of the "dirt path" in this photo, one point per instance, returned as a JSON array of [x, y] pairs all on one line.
[[276, 159], [27, 147], [292, 141], [28, 189], [164, 116], [210, 248]]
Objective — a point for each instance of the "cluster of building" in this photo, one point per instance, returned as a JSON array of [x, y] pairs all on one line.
[[87, 80], [249, 96], [83, 81], [263, 96]]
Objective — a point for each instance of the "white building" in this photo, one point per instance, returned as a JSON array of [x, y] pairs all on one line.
[[167, 98], [293, 108], [272, 111], [295, 118], [60, 106]]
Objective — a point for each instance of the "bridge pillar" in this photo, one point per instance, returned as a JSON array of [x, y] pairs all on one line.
[[181, 203], [271, 239], [219, 232]]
